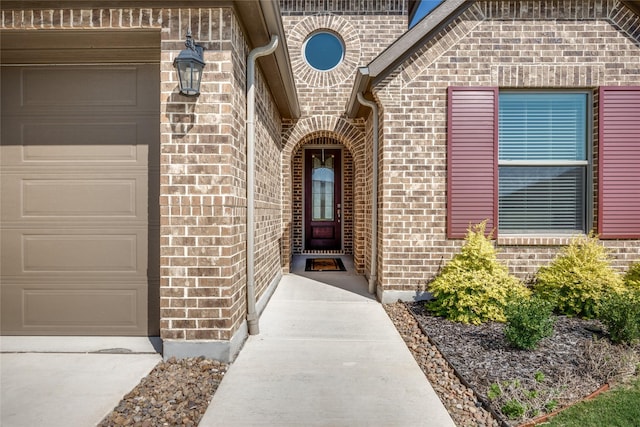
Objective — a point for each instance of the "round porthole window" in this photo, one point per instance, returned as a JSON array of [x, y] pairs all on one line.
[[323, 51]]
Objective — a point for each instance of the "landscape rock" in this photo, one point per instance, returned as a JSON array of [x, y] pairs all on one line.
[[175, 393]]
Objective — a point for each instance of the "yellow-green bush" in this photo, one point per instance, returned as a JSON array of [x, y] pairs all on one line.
[[474, 287], [632, 276], [578, 278]]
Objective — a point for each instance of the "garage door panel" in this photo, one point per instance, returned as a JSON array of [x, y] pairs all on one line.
[[87, 308], [72, 87], [83, 197], [59, 86], [113, 141], [73, 198], [74, 252]]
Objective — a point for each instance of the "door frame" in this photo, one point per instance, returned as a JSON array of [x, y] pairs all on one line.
[[304, 193]]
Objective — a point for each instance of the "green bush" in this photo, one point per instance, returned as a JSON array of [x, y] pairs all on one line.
[[474, 287], [513, 409], [632, 276], [528, 322], [578, 278], [620, 312]]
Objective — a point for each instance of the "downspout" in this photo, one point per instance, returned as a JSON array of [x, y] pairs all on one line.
[[373, 273], [252, 316]]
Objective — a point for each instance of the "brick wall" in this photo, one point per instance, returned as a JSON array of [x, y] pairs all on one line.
[[366, 29], [560, 44], [213, 207], [343, 7]]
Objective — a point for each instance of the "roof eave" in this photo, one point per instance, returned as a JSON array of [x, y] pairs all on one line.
[[261, 19], [403, 47], [413, 39]]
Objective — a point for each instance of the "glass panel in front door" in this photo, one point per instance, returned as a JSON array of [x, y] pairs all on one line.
[[322, 195]]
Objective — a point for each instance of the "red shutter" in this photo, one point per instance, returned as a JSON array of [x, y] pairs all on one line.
[[619, 163], [472, 155]]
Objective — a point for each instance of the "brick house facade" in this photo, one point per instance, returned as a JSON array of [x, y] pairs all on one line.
[[187, 277], [504, 45]]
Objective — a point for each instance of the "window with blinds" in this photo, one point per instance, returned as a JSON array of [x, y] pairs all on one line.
[[542, 162]]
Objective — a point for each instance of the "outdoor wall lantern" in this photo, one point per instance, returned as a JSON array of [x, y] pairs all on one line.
[[189, 64]]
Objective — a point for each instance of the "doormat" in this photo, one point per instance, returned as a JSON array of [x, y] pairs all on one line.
[[324, 264]]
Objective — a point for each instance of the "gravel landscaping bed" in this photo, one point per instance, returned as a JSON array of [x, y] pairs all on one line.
[[175, 393], [518, 385]]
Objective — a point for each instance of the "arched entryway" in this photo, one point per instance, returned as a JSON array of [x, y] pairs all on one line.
[[312, 142]]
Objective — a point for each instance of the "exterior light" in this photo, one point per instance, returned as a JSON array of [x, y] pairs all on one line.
[[189, 64]]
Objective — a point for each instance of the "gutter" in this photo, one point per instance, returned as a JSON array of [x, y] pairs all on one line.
[[252, 316], [362, 84], [373, 271]]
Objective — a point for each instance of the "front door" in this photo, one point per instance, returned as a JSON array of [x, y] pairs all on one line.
[[323, 199]]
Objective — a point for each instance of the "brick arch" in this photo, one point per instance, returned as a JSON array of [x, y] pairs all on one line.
[[346, 132], [351, 136]]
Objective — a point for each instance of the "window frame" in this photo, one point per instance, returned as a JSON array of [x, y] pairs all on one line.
[[331, 33], [588, 206]]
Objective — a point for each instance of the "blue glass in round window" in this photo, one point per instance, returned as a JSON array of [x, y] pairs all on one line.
[[323, 51]]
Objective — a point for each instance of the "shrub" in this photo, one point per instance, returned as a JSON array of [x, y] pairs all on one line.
[[632, 276], [528, 322], [474, 287], [578, 278], [620, 312], [513, 409]]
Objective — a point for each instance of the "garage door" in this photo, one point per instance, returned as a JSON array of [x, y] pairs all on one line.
[[77, 224]]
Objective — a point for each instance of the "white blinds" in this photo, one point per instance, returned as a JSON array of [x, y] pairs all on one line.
[[541, 198], [542, 162], [542, 126]]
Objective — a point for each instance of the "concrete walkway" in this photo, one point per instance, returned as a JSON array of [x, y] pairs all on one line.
[[77, 382], [327, 355]]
